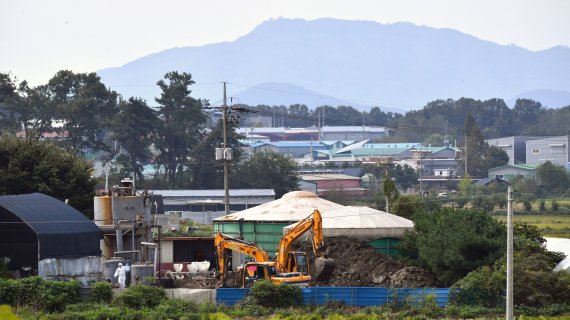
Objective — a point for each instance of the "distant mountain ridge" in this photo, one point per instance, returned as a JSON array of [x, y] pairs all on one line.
[[363, 63]]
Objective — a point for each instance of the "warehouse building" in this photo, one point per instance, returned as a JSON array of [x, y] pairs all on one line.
[[42, 235]]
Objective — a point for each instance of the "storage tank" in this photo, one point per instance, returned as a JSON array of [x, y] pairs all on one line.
[[103, 213]]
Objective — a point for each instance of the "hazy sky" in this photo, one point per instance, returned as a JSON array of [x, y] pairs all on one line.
[[39, 38]]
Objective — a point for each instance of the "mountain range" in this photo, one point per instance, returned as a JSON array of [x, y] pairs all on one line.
[[397, 67]]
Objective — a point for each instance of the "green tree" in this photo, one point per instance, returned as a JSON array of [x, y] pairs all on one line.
[[299, 116], [454, 242], [389, 190], [266, 170], [135, 127], [408, 206], [35, 111], [85, 105], [527, 189], [183, 120], [473, 149], [377, 117], [495, 157], [29, 166], [206, 171], [553, 178], [9, 98], [405, 176], [465, 191], [526, 112], [534, 282]]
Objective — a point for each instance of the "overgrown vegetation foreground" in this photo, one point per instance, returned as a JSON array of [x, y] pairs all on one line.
[[34, 298]]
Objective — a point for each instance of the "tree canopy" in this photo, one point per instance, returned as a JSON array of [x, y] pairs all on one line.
[[182, 122], [534, 283], [453, 242], [553, 178], [267, 170], [31, 166]]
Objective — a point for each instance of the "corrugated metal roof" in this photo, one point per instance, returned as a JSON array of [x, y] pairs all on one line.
[[401, 145], [292, 144], [517, 166], [353, 129], [214, 193], [378, 151], [363, 223], [293, 206], [327, 176]]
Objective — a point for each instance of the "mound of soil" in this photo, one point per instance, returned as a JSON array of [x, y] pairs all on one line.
[[358, 264]]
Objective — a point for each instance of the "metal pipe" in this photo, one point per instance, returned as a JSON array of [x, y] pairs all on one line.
[[133, 239], [155, 247], [119, 235]]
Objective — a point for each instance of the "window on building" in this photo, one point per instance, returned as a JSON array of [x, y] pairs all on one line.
[[499, 176], [535, 151]]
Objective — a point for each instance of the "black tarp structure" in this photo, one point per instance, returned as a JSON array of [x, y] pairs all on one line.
[[35, 226]]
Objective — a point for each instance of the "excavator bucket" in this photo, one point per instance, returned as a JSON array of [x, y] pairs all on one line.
[[324, 267]]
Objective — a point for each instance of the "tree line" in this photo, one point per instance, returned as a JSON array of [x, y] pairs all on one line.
[[87, 117], [81, 115]]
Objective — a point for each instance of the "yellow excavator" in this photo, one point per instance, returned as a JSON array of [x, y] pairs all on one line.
[[289, 267], [261, 268]]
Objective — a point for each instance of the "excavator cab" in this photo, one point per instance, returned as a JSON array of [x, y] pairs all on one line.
[[255, 271], [298, 262]]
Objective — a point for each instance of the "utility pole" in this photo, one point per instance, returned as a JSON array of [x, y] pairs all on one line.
[[421, 169], [465, 156], [509, 306], [225, 159]]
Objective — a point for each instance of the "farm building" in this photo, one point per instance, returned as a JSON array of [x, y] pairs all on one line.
[[40, 234], [380, 229], [264, 224]]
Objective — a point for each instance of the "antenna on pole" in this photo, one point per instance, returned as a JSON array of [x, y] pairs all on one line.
[[509, 307], [225, 156], [465, 155]]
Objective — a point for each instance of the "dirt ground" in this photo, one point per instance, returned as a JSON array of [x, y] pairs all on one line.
[[357, 264]]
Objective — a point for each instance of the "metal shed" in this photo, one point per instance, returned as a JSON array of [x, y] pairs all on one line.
[[48, 236]]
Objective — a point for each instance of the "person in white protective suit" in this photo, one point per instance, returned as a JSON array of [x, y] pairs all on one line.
[[121, 275]]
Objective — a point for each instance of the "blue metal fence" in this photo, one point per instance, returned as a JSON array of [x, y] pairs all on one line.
[[353, 296], [230, 296]]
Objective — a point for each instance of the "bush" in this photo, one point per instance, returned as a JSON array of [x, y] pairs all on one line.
[[102, 292], [4, 269], [55, 295], [6, 313], [39, 294], [527, 205], [209, 307], [554, 205], [97, 312], [267, 294], [174, 309], [550, 310], [139, 296]]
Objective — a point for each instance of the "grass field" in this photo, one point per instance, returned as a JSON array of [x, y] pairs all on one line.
[[554, 226]]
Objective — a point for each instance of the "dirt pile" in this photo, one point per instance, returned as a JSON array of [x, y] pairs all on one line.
[[358, 264]]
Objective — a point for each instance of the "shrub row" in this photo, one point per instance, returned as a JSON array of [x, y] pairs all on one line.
[[39, 294]]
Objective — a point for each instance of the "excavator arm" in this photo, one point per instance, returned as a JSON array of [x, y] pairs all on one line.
[[313, 222], [223, 242]]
